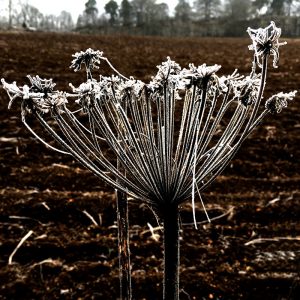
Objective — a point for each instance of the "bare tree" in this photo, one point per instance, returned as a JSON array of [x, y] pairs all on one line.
[[207, 9], [32, 17], [50, 23], [139, 8], [126, 13], [283, 7], [238, 9], [10, 14], [90, 12], [111, 8], [65, 21], [277, 7], [183, 11], [149, 15]]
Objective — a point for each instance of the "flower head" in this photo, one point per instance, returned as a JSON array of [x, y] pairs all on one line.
[[54, 101], [87, 92], [39, 95], [167, 72], [39, 85], [129, 87], [276, 103], [246, 89], [225, 83], [198, 74], [265, 42], [13, 91], [202, 71], [167, 68], [88, 57]]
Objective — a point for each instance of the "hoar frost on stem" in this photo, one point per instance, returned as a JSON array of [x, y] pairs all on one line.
[[135, 122]]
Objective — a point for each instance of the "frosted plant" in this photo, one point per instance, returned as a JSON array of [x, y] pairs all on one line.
[[265, 42], [163, 142]]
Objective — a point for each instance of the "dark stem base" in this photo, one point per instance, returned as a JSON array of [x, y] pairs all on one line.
[[123, 247], [171, 252]]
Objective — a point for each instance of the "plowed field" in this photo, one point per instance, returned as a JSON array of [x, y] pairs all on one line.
[[251, 250]]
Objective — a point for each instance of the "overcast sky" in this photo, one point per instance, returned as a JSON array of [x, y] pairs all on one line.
[[75, 7]]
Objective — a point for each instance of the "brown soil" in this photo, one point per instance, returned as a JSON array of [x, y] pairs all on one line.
[[68, 257]]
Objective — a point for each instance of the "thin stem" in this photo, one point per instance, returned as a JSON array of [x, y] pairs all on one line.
[[114, 69]]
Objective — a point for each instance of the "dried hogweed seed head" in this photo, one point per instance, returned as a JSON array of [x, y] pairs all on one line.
[[168, 71], [129, 88], [48, 101], [39, 85], [265, 42], [40, 95], [12, 90], [89, 57], [51, 102], [169, 67], [157, 161], [200, 74], [87, 92], [228, 82], [246, 89], [276, 103]]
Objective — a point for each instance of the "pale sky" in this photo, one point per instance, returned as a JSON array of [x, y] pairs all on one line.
[[75, 7]]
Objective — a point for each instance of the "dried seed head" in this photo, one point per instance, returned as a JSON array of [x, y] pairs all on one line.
[[87, 91], [129, 88], [276, 103], [228, 82], [200, 74], [246, 89], [265, 42], [168, 71], [50, 103], [89, 57], [154, 163], [39, 85], [169, 67]]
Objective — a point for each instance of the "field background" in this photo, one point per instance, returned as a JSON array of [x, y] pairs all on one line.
[[68, 257]]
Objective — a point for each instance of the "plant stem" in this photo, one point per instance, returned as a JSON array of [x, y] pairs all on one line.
[[171, 252], [123, 238], [123, 247]]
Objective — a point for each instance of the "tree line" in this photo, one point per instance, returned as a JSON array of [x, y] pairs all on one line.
[[190, 18], [30, 18]]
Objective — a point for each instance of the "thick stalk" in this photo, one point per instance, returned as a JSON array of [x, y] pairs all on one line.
[[171, 252], [123, 247]]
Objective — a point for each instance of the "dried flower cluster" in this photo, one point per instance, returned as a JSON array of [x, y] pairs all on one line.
[[159, 164], [265, 42]]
